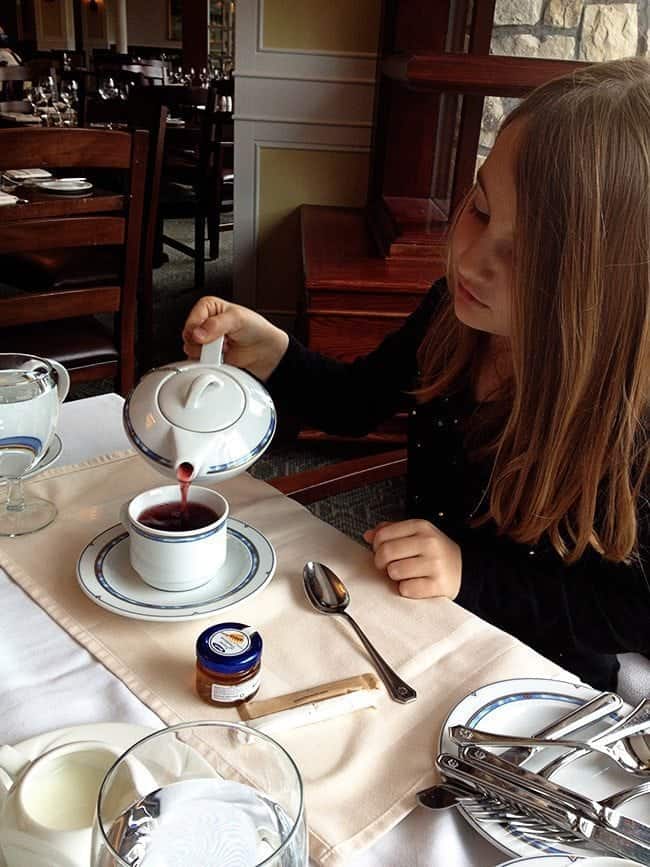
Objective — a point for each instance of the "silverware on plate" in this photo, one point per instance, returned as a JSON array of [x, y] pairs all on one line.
[[599, 706], [594, 821], [627, 744]]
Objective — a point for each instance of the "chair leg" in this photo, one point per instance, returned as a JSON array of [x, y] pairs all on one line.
[[214, 240], [145, 324], [199, 251]]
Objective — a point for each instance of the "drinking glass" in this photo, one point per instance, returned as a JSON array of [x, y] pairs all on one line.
[[107, 89], [31, 390], [201, 794]]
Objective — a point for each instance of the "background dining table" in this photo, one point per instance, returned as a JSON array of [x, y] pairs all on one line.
[[48, 681]]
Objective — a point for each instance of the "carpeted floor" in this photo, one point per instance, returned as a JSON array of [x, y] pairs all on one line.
[[174, 295]]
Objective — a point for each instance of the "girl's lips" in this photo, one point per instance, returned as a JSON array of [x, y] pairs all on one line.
[[467, 295]]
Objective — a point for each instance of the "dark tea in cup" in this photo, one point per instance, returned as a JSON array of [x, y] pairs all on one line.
[[178, 517]]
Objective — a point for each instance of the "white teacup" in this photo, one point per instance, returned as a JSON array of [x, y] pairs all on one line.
[[179, 559], [48, 806]]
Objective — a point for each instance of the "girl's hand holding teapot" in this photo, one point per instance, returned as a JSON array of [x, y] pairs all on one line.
[[251, 341]]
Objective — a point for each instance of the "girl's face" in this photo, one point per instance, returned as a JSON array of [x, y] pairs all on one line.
[[482, 242]]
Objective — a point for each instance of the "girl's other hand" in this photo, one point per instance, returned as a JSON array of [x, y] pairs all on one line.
[[251, 341], [418, 556]]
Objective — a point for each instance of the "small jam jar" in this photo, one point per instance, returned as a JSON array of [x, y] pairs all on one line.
[[228, 664]]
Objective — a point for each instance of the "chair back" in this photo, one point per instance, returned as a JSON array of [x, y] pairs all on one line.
[[104, 219]]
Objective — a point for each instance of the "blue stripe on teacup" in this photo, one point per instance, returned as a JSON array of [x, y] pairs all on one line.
[[177, 538]]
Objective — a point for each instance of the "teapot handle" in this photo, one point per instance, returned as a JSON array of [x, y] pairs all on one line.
[[212, 353]]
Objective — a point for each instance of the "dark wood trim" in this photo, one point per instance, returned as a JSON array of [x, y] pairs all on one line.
[[74, 147], [478, 74], [91, 372], [30, 235], [314, 485], [60, 304]]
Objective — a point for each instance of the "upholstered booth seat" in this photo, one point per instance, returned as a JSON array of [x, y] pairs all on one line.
[[83, 342], [62, 269]]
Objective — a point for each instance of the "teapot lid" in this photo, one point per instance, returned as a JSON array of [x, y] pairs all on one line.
[[202, 399]]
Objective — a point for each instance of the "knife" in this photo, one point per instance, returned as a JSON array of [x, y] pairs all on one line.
[[566, 799], [594, 831]]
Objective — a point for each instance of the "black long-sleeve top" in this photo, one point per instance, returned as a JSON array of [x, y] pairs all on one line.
[[578, 615]]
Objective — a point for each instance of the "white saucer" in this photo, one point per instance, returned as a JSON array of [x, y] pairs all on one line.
[[107, 577], [545, 861], [64, 186], [569, 860]]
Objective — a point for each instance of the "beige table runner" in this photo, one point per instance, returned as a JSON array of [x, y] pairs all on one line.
[[361, 770]]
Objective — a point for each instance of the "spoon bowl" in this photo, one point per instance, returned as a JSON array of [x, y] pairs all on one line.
[[329, 595]]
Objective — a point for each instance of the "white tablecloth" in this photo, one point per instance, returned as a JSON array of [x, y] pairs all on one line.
[[47, 681]]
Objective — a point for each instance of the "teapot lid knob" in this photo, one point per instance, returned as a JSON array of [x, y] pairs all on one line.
[[205, 400]]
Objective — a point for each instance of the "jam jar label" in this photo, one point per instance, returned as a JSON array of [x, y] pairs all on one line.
[[225, 693], [229, 642]]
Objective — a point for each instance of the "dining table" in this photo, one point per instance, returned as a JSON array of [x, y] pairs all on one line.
[[48, 680]]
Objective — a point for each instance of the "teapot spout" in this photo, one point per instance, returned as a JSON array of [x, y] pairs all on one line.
[[185, 471], [188, 456]]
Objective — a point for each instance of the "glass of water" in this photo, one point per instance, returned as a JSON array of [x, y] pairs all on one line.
[[201, 794]]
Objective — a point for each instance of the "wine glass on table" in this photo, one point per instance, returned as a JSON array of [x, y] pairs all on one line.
[[205, 794], [31, 391]]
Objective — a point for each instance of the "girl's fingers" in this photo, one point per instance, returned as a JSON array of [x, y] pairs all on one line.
[[400, 529], [369, 534], [409, 567], [202, 310], [399, 549], [419, 588]]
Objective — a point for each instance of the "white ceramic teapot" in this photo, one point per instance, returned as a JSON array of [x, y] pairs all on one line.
[[200, 420]]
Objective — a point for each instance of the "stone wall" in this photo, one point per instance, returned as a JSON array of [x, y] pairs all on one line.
[[591, 30]]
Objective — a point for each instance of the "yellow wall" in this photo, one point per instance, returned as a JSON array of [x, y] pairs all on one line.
[[288, 178], [322, 25], [52, 19]]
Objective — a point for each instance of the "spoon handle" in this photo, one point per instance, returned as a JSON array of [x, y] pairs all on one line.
[[398, 690]]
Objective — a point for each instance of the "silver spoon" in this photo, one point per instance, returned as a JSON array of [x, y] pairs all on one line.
[[625, 745], [329, 595]]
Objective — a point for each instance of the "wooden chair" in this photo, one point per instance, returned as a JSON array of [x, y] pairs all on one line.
[[139, 112], [197, 180], [53, 315]]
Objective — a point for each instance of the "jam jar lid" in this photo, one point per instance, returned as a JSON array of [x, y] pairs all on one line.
[[229, 648]]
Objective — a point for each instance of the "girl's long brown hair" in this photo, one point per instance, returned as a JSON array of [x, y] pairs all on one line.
[[571, 455]]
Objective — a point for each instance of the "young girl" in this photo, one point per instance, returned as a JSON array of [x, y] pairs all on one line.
[[526, 373]]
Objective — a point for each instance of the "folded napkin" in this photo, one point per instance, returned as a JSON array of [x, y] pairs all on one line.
[[6, 199], [360, 770], [27, 174]]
